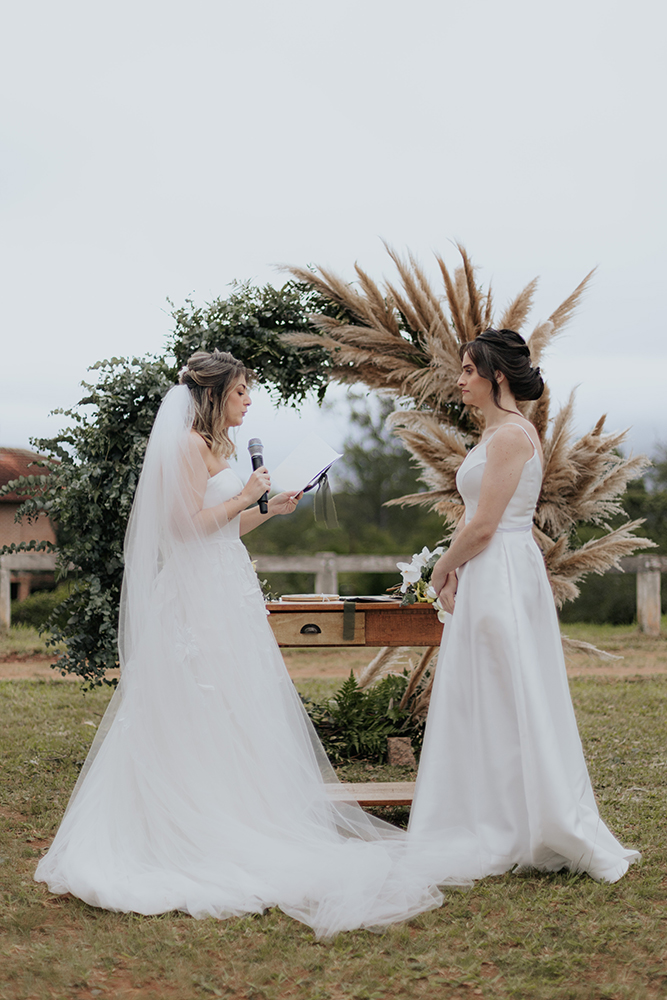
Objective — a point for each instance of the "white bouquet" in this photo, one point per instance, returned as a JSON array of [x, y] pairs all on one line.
[[416, 586]]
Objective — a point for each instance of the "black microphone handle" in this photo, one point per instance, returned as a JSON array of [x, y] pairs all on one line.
[[257, 463]]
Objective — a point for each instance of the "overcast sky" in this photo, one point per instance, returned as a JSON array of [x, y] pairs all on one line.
[[155, 150]]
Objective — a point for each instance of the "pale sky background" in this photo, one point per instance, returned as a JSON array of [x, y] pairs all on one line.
[[162, 149]]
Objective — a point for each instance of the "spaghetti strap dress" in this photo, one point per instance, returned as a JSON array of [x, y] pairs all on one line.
[[502, 779]]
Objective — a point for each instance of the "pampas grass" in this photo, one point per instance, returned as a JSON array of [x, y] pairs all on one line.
[[403, 338]]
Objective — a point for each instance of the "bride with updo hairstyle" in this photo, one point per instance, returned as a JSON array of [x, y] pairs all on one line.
[[507, 352], [206, 789], [502, 780]]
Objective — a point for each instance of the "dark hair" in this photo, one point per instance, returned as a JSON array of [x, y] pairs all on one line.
[[218, 371], [507, 352]]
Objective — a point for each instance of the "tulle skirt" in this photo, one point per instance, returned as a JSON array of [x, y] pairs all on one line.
[[207, 790]]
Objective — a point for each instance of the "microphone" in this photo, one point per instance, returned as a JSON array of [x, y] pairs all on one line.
[[256, 448]]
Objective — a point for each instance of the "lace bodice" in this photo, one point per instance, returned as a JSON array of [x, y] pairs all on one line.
[[521, 508]]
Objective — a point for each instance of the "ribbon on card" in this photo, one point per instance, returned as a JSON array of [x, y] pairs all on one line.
[[324, 507]]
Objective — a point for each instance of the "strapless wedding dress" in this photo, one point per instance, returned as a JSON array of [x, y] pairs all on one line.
[[209, 791], [502, 778]]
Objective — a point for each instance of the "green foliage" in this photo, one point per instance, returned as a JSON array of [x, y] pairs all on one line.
[[641, 500], [248, 323], [38, 608], [612, 598], [94, 468], [657, 474], [355, 724], [94, 464]]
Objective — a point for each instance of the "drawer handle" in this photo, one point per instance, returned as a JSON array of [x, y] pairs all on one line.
[[311, 630]]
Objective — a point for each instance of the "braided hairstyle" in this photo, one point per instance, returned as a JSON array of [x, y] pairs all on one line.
[[507, 352], [210, 379]]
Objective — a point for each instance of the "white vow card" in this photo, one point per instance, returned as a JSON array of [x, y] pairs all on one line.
[[304, 465]]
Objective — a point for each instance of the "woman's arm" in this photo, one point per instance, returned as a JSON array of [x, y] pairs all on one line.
[[282, 503], [210, 519], [506, 454]]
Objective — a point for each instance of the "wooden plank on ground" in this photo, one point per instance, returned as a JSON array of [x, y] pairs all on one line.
[[375, 793]]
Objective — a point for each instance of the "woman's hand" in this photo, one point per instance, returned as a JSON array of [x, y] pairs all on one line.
[[284, 503], [448, 593], [258, 484], [438, 576]]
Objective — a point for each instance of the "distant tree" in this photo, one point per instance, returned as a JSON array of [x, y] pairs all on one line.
[[612, 597]]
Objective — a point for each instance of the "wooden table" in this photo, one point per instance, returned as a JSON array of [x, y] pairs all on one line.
[[346, 623]]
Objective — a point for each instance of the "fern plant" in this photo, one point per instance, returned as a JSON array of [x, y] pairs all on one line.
[[356, 723]]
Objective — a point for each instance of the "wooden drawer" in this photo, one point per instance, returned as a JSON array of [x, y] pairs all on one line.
[[374, 624], [315, 628]]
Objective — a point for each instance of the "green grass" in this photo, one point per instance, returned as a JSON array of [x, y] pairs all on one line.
[[23, 641], [590, 632], [528, 936]]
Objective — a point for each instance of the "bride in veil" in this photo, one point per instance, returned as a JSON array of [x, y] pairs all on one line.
[[206, 789]]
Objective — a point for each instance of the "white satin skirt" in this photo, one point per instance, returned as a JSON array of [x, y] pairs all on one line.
[[502, 778]]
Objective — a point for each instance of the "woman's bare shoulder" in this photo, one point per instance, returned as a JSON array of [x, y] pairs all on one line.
[[515, 436], [196, 441]]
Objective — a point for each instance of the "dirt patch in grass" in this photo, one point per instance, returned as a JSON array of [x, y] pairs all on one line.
[[638, 656]]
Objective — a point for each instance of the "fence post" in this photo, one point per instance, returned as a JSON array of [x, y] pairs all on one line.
[[648, 601], [326, 578], [5, 594]]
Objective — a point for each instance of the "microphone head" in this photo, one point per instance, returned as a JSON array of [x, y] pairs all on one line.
[[255, 446]]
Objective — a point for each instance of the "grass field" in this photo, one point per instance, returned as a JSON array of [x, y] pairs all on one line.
[[527, 936]]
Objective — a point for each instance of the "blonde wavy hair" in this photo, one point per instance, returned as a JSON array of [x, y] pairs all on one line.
[[210, 379]]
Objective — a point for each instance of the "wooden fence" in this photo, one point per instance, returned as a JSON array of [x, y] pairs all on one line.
[[325, 567]]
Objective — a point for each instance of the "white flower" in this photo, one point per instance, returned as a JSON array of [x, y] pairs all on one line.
[[409, 573], [412, 571], [441, 611], [421, 558]]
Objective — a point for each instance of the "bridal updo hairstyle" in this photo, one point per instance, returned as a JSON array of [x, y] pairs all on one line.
[[218, 372], [507, 352]]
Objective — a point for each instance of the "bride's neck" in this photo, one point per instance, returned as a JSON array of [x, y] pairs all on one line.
[[495, 415]]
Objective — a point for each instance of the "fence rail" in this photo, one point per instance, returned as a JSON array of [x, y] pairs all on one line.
[[325, 566]]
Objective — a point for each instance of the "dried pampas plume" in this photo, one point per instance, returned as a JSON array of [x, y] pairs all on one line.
[[403, 337]]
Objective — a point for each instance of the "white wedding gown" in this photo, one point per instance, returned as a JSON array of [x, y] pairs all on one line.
[[502, 777], [207, 790]]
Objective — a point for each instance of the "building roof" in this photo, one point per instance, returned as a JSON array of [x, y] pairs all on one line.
[[15, 462]]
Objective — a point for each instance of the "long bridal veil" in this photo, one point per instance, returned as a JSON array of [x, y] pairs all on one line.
[[207, 789], [163, 533]]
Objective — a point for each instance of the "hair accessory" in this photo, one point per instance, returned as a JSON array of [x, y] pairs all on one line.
[[182, 373]]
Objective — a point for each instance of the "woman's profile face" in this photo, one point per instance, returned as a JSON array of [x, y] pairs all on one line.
[[237, 403], [475, 390]]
